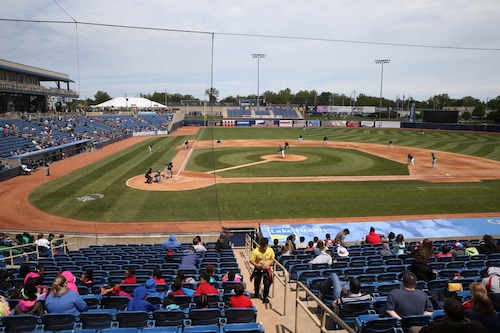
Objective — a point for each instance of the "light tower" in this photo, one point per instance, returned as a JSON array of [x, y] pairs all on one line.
[[258, 56], [382, 62]]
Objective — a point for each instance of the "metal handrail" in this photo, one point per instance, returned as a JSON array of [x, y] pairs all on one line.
[[54, 249], [320, 323]]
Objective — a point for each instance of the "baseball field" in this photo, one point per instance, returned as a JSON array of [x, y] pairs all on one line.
[[243, 181]]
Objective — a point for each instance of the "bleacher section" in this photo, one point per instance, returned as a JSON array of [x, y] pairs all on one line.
[[19, 136], [109, 262], [262, 114]]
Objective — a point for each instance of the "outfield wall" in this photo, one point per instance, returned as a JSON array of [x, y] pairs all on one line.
[[492, 128]]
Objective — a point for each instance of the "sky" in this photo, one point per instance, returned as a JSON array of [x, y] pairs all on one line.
[[126, 47]]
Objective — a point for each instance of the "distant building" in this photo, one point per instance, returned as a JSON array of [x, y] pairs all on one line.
[[21, 89]]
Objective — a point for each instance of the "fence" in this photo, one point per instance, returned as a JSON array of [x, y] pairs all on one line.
[[15, 255]]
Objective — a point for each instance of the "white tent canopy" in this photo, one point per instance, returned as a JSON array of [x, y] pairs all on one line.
[[130, 103]]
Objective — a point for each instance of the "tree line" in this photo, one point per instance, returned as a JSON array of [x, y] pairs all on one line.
[[311, 98]]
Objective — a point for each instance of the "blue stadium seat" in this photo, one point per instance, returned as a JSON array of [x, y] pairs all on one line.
[[169, 317], [136, 319], [238, 315], [58, 321], [375, 324], [243, 328]]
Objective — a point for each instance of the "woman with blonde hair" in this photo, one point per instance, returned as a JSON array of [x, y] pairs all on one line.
[[64, 300], [320, 246], [474, 287], [484, 312]]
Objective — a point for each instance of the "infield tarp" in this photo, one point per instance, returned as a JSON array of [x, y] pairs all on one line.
[[411, 229]]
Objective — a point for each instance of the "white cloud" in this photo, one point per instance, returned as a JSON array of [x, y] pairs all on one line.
[[133, 61]]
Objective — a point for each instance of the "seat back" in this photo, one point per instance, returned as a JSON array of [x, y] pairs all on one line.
[[137, 319], [168, 317], [204, 316], [20, 323], [201, 329], [58, 321], [417, 320], [243, 328], [96, 320], [380, 325], [114, 302], [238, 315]]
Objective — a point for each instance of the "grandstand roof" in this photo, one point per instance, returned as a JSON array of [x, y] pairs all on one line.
[[42, 74], [135, 102]]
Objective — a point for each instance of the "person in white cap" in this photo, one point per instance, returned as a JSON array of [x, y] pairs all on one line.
[[342, 252]]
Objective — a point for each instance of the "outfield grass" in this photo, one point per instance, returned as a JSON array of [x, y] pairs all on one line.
[[259, 201]]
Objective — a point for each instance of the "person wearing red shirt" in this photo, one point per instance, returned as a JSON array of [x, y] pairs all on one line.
[[240, 300], [205, 287], [157, 276], [445, 252], [373, 237], [129, 276]]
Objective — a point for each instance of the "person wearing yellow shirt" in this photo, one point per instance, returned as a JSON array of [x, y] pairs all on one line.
[[262, 258]]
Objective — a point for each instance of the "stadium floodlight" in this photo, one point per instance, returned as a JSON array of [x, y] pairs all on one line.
[[258, 56], [382, 62]]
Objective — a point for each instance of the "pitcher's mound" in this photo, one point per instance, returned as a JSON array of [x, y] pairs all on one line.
[[287, 158]]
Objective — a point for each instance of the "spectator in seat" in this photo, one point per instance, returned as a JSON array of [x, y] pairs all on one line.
[[458, 249], [329, 243], [130, 277], [204, 287], [198, 245], [427, 248], [409, 301], [220, 244], [139, 302], [29, 303], [86, 279], [231, 276], [43, 245], [171, 243], [399, 244], [322, 258], [310, 247], [372, 237], [445, 252], [202, 301], [240, 300], [63, 300], [189, 259], [386, 250], [151, 289], [157, 276], [70, 281], [492, 280], [353, 295], [488, 245], [420, 268], [333, 286], [176, 288], [483, 311], [302, 243], [470, 250], [474, 287], [320, 246], [454, 321], [210, 271]]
